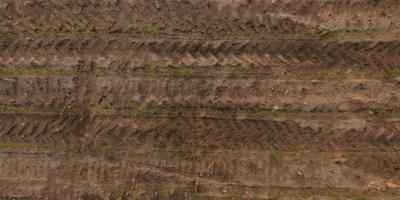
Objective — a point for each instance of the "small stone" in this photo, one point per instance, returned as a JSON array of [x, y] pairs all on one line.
[[372, 184], [314, 82], [300, 173], [371, 112], [339, 160], [397, 80], [391, 185]]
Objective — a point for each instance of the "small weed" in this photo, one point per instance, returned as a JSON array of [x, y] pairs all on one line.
[[214, 112], [395, 72], [152, 69], [237, 34], [23, 146], [3, 32], [148, 29], [109, 149], [258, 73], [100, 110], [276, 196], [12, 109], [358, 197], [69, 110], [384, 114], [368, 30], [173, 114], [76, 149], [321, 33], [170, 112], [325, 74], [259, 115], [179, 152], [232, 192], [150, 190], [85, 31], [146, 111], [192, 191], [188, 72], [170, 72], [392, 73], [100, 72], [275, 156]]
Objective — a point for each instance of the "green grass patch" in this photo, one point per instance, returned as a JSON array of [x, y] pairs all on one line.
[[320, 33], [100, 72], [102, 110], [276, 156], [70, 110], [22, 146], [326, 32], [178, 152], [151, 68], [188, 72], [13, 109], [151, 29], [3, 32], [87, 31], [396, 72]]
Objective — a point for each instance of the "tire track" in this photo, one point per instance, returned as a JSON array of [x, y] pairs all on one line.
[[273, 134]]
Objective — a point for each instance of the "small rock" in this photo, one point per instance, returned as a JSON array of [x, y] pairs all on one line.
[[397, 80], [391, 185], [158, 6], [315, 81], [370, 112], [300, 173], [375, 185], [339, 160], [372, 184]]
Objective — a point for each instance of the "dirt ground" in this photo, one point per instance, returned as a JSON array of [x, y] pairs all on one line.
[[200, 99]]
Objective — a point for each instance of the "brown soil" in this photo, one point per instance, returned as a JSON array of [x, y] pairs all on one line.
[[200, 99]]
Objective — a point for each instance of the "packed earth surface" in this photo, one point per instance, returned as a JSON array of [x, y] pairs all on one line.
[[200, 99]]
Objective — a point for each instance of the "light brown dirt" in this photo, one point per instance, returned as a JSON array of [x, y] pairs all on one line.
[[199, 99]]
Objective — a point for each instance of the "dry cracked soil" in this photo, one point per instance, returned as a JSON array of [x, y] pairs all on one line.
[[200, 99]]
